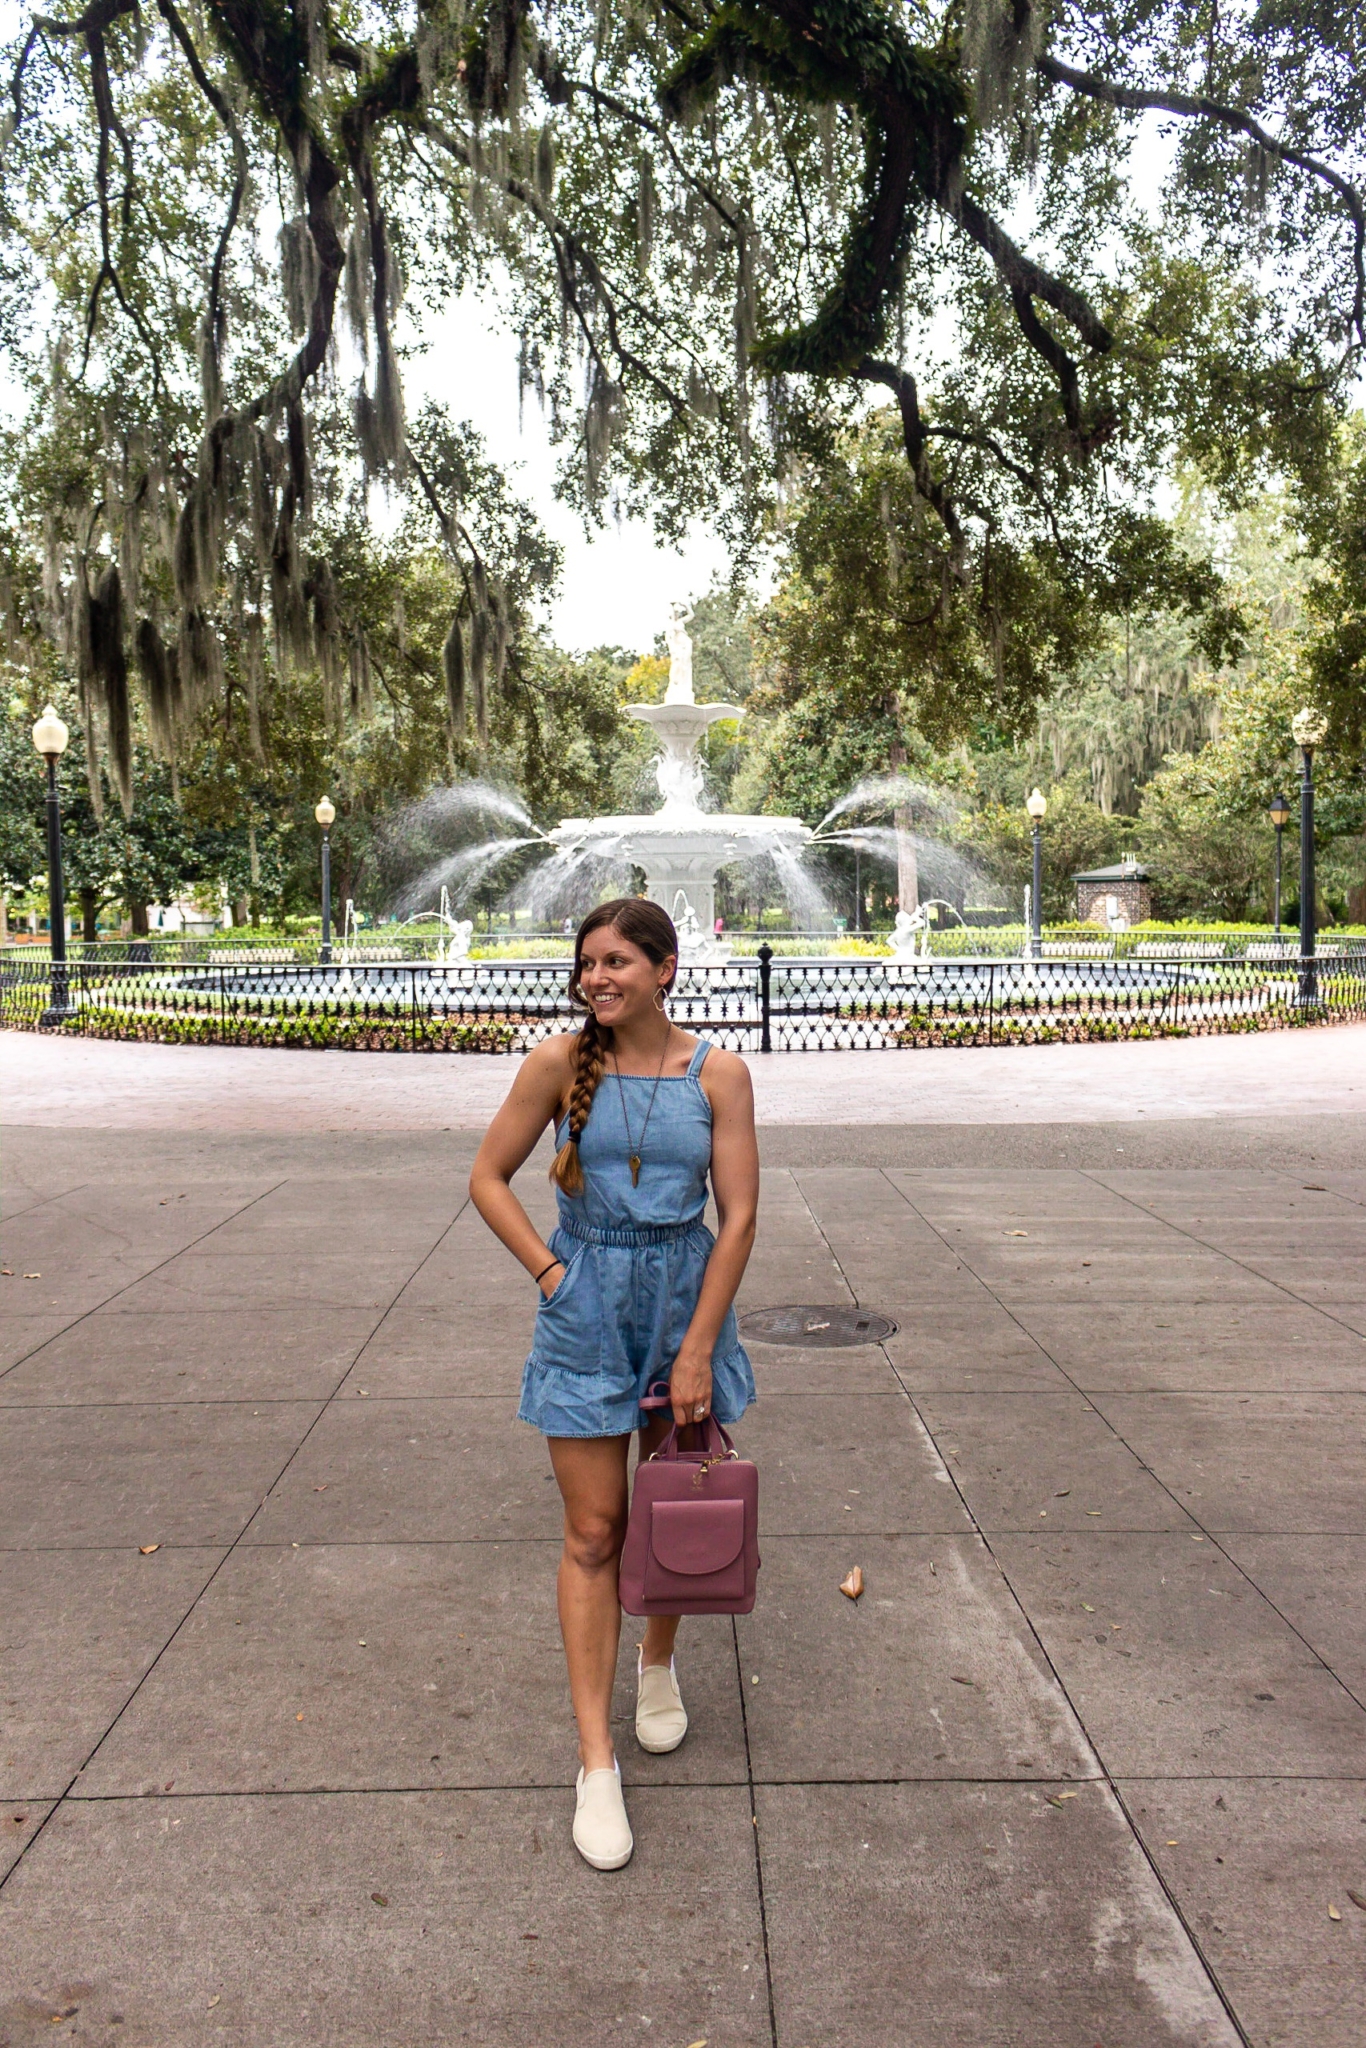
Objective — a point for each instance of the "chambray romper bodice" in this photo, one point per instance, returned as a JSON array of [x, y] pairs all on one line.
[[634, 1259]]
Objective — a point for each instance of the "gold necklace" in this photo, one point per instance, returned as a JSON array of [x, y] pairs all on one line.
[[633, 1157]]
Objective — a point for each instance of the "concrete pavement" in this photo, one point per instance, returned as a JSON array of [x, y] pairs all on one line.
[[1084, 1766], [90, 1083]]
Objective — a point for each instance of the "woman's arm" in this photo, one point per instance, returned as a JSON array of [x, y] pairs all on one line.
[[533, 1101], [735, 1183]]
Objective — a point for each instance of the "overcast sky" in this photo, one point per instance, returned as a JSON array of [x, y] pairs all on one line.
[[617, 585]]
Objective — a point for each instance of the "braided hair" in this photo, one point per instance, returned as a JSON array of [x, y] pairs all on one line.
[[643, 924]]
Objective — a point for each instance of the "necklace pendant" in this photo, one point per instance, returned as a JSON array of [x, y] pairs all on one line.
[[635, 1169]]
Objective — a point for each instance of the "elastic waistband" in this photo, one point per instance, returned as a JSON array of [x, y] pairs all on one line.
[[655, 1233]]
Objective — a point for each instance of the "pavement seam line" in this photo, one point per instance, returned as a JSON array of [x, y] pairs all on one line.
[[1197, 1947], [80, 1798], [42, 1201], [1212, 1535], [151, 1272], [238, 1540], [1302, 1300], [755, 1830]]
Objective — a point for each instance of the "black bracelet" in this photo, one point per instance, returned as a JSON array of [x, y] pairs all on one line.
[[546, 1269]]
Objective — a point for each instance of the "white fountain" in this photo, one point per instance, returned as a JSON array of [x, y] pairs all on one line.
[[680, 846]]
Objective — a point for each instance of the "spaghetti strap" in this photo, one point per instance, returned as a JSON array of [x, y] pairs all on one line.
[[695, 1064]]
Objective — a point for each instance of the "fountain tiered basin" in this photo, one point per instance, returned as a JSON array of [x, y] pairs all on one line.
[[681, 846]]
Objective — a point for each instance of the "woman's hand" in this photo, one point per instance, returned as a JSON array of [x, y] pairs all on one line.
[[690, 1386], [551, 1278]]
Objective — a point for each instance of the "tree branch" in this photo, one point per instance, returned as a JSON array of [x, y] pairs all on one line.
[[870, 370], [1022, 273], [571, 257], [1133, 99], [214, 320]]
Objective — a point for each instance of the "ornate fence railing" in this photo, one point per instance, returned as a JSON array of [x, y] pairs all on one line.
[[381, 946], [771, 1003]]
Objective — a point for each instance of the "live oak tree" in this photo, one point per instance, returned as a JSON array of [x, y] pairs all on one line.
[[715, 227]]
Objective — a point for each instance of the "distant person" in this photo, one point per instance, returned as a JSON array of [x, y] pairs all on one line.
[[634, 1289]]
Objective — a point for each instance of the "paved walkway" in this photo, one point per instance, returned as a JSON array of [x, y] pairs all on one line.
[[115, 1086], [286, 1752]]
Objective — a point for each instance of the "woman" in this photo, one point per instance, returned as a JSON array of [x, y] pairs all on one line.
[[634, 1289]]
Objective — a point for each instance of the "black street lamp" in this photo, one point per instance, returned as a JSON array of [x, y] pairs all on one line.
[[325, 811], [1036, 803], [1280, 818], [1308, 728], [50, 737]]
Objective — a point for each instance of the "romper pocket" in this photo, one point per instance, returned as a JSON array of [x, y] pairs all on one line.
[[568, 1335]]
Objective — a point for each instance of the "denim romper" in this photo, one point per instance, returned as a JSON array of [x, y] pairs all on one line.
[[634, 1259]]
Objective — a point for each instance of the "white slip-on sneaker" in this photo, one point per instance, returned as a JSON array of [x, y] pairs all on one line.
[[602, 1833], [661, 1722]]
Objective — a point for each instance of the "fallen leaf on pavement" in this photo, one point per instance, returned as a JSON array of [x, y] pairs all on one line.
[[852, 1584], [298, 1717], [146, 1549], [959, 1681], [379, 1898], [33, 1276], [1333, 1913], [1088, 1607], [1016, 1233], [1357, 1898], [1062, 1493], [214, 2000]]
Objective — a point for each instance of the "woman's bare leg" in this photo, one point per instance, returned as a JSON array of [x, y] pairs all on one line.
[[660, 1629], [591, 1473]]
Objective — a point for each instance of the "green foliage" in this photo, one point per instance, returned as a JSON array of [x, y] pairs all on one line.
[[1077, 836], [1335, 662], [701, 228], [1205, 859], [22, 800]]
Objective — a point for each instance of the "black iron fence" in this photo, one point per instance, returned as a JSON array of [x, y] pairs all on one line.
[[771, 1003], [381, 947]]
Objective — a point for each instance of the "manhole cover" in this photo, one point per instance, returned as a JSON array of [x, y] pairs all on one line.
[[818, 1327]]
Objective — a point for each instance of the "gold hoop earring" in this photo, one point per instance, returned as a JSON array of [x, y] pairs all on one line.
[[660, 994]]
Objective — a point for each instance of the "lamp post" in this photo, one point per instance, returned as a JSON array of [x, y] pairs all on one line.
[[1308, 727], [325, 811], [1036, 803], [1280, 818], [49, 738], [858, 843]]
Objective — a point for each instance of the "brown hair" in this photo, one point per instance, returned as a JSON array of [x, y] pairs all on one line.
[[642, 923]]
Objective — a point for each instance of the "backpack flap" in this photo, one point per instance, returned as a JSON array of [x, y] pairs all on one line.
[[696, 1549]]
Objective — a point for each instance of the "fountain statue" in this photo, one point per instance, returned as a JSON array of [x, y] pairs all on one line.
[[680, 846], [911, 932], [911, 935]]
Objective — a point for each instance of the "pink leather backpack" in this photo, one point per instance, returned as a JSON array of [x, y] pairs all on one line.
[[692, 1542]]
